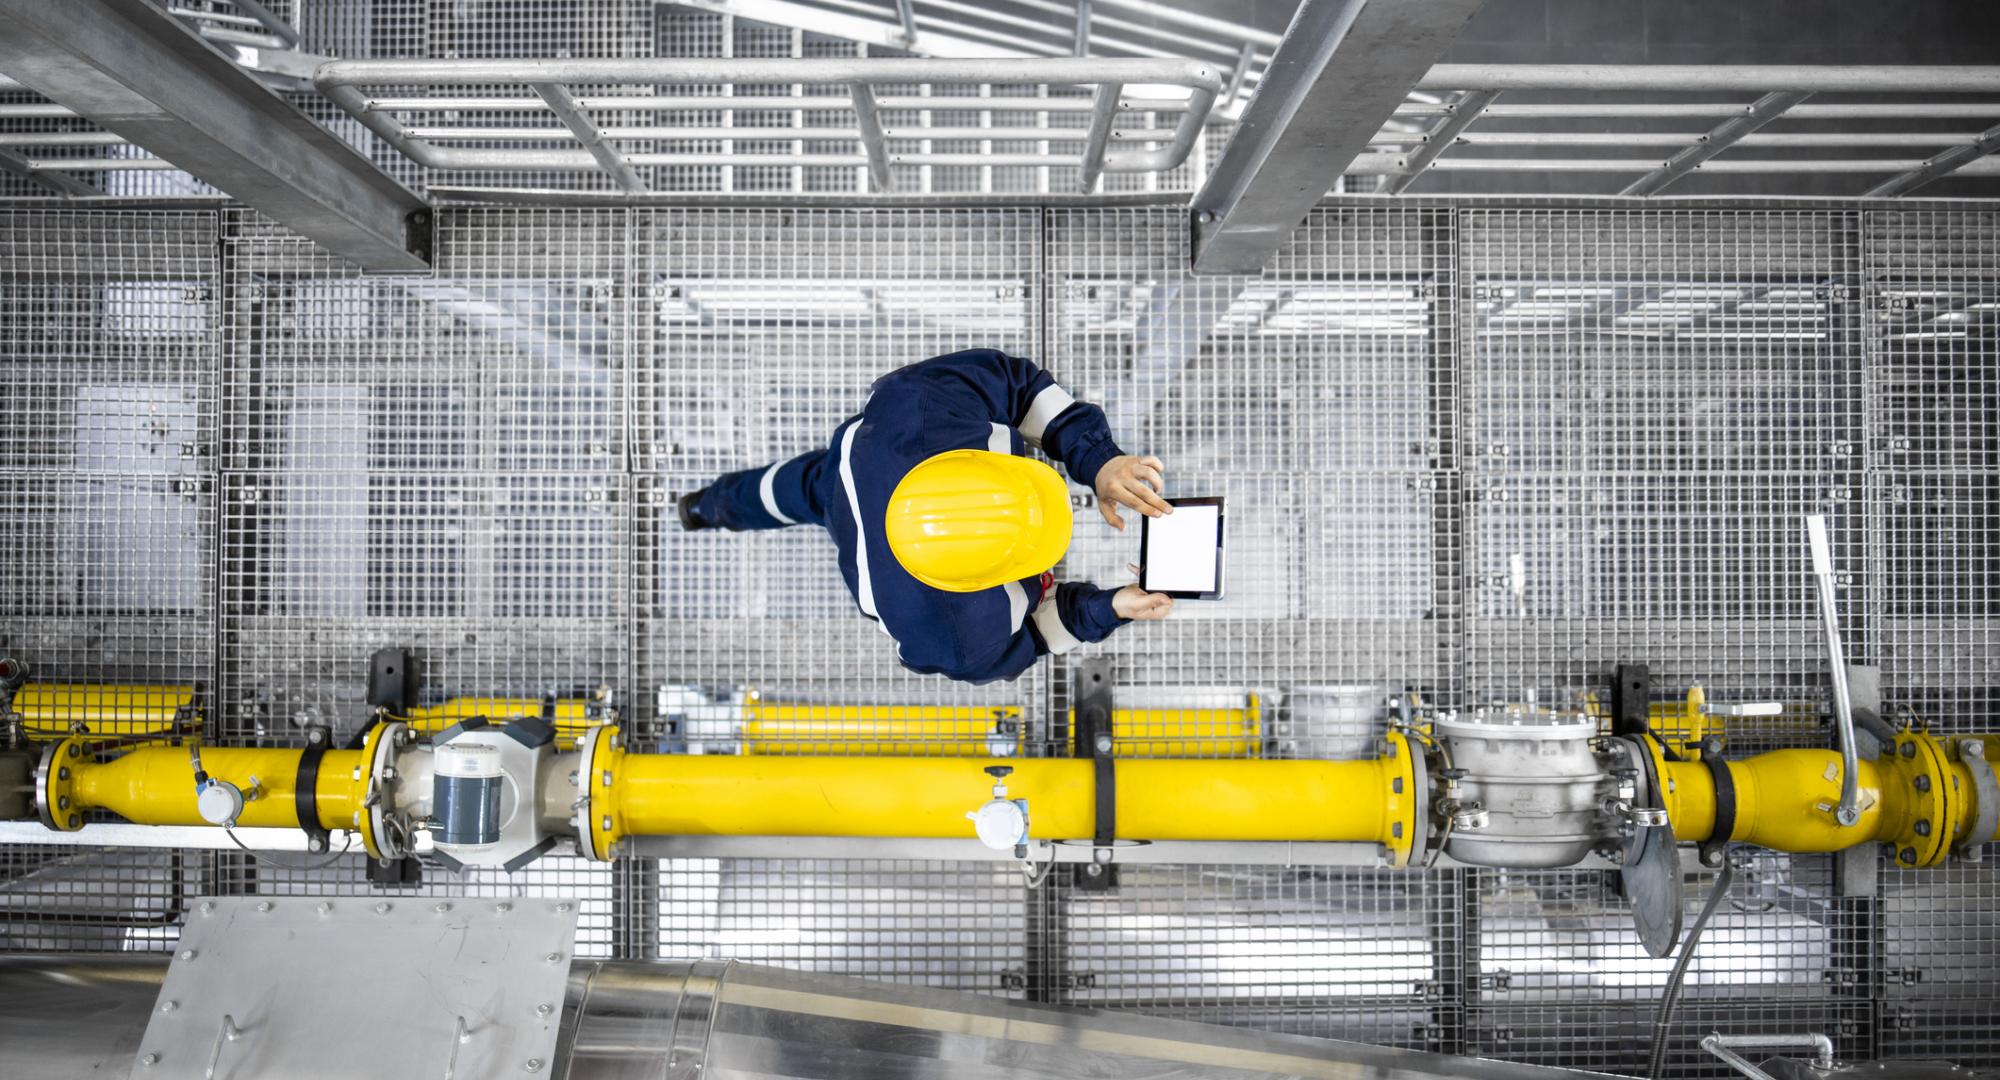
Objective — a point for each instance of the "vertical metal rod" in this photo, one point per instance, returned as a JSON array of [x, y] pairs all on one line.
[[1715, 141], [1082, 47], [459, 1037], [906, 13], [1843, 707], [1237, 76], [1465, 111], [872, 141], [566, 109], [1103, 108], [1952, 160]]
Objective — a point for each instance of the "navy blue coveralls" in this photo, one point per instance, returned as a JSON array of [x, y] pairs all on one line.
[[979, 399]]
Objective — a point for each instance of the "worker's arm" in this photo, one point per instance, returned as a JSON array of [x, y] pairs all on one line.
[[1071, 614], [989, 386]]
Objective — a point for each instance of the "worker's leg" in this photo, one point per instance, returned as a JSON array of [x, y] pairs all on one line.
[[769, 498]]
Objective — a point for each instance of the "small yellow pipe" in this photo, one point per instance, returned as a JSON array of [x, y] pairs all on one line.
[[48, 710], [672, 794], [154, 785]]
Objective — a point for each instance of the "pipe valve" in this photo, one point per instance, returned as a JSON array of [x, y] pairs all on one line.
[[1002, 823]]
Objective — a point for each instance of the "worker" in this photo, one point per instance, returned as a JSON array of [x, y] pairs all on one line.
[[946, 534]]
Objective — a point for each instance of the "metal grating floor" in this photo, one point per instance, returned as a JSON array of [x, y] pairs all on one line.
[[227, 459]]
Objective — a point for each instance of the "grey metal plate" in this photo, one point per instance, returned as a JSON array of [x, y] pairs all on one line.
[[361, 988]]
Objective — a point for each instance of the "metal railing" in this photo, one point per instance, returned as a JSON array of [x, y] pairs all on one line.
[[1113, 141], [1726, 137]]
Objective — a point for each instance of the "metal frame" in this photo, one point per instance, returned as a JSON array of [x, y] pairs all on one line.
[[343, 82], [140, 72]]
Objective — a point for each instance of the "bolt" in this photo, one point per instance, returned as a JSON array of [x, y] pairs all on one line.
[[169, 1006], [607, 823], [1923, 827], [1923, 782], [563, 908], [503, 907], [607, 778], [208, 907], [75, 821], [325, 908], [1094, 870], [62, 773], [1909, 749], [1103, 744], [382, 908], [572, 778], [150, 1060], [440, 908], [533, 1065], [72, 750], [554, 958], [187, 954], [544, 1009], [1971, 748], [1908, 856], [264, 906], [62, 803]]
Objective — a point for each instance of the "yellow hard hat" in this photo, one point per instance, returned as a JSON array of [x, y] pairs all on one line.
[[967, 520]]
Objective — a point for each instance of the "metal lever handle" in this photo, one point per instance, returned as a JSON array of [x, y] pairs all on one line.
[[229, 1033], [1848, 812]]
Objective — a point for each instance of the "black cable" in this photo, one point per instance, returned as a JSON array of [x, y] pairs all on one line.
[[1671, 998]]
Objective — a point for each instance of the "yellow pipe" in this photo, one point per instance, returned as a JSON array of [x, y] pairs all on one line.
[[771, 727], [48, 710], [644, 794], [154, 785], [967, 731], [1914, 797]]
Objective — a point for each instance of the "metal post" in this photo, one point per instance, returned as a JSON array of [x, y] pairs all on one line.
[[906, 13], [566, 109], [1465, 112], [1951, 161], [1767, 108], [872, 139], [1082, 47], [1104, 107]]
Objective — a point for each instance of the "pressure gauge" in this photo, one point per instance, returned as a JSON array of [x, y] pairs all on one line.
[[219, 802], [1001, 824]]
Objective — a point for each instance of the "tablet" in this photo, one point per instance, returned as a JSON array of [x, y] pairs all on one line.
[[1181, 554]]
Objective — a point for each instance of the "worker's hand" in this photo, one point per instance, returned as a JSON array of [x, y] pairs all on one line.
[[1133, 602], [1131, 481]]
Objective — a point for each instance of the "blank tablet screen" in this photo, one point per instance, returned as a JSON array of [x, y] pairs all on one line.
[[1181, 550]]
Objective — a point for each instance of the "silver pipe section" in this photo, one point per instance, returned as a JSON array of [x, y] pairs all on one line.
[[1725, 1047], [1716, 78], [65, 1017], [1396, 164], [872, 138], [1849, 810]]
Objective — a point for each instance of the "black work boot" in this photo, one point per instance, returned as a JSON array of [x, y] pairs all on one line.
[[691, 521]]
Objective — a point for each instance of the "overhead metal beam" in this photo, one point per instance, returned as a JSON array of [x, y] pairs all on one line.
[[1338, 74], [1715, 141], [133, 69], [1953, 160]]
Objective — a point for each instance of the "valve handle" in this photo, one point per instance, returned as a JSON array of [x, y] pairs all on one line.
[[999, 772]]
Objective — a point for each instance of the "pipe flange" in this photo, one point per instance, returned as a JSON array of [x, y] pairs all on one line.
[[1928, 771], [1406, 807], [379, 749], [55, 785], [595, 822], [1986, 792]]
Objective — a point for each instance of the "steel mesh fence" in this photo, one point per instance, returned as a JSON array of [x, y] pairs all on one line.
[[228, 460]]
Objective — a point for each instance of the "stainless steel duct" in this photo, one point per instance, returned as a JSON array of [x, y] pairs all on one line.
[[83, 1016]]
